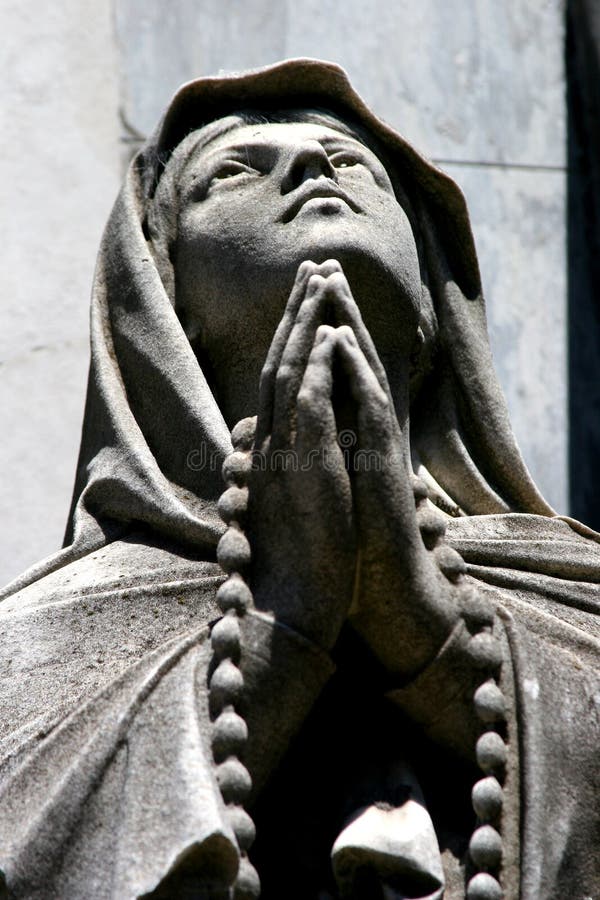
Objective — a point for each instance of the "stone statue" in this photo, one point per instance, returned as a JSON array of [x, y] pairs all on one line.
[[380, 678]]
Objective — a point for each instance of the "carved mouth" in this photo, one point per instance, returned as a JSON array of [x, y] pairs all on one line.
[[312, 190]]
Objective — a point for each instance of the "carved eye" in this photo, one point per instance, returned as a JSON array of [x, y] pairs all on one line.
[[231, 169], [344, 160]]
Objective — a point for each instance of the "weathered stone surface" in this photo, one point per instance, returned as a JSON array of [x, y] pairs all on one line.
[[383, 520], [41, 448], [59, 144], [519, 224], [462, 80]]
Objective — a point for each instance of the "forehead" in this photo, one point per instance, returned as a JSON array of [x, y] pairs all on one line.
[[279, 135]]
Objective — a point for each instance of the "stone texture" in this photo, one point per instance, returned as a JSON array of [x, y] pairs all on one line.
[[120, 677], [50, 383], [462, 80], [59, 152], [160, 48], [518, 219]]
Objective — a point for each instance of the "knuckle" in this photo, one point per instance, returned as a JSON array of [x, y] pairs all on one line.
[[305, 399], [337, 282], [284, 374], [325, 332], [316, 282], [330, 266], [346, 331], [268, 371], [307, 267]]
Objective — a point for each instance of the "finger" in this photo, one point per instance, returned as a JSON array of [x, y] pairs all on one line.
[[347, 313], [294, 360], [381, 466], [280, 339], [366, 388], [314, 411], [329, 267]]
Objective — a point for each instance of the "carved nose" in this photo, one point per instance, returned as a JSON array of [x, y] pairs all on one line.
[[308, 160]]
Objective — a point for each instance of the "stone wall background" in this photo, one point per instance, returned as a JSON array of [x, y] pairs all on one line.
[[477, 85], [59, 152]]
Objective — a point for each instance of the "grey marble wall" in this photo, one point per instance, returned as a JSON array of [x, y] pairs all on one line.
[[59, 151], [476, 84]]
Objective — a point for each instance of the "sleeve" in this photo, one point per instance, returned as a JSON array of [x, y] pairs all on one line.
[[440, 697]]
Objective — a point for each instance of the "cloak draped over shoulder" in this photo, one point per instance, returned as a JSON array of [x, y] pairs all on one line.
[[106, 780]]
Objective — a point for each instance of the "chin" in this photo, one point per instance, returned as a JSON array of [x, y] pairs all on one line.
[[356, 257], [354, 240]]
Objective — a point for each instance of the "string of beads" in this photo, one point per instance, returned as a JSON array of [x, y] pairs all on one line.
[[226, 684], [485, 846], [230, 733]]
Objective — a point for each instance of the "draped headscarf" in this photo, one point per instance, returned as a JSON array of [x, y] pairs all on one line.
[[153, 434]]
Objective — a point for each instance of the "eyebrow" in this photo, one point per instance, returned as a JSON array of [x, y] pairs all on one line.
[[244, 146]]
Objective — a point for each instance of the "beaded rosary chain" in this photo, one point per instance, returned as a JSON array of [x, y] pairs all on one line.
[[485, 846], [226, 685]]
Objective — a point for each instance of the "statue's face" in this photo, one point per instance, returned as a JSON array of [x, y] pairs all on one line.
[[261, 199]]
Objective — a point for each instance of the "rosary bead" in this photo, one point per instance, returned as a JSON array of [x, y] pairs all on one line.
[[225, 636], [233, 504], [226, 685], [484, 887], [450, 562], [485, 847], [242, 825], [236, 467], [487, 799], [476, 610], [233, 550], [229, 735], [247, 884], [491, 752], [485, 651], [234, 594], [242, 436], [234, 781], [489, 702], [432, 526]]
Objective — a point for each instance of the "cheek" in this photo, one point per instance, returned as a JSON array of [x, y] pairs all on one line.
[[406, 251], [207, 236], [398, 248], [215, 286], [196, 266], [229, 239], [211, 246]]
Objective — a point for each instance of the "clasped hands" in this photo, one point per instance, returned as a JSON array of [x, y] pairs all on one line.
[[333, 529]]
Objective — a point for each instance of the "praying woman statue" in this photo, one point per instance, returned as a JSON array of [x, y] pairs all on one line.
[[314, 633]]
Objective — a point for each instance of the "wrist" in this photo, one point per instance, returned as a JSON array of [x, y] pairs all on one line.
[[307, 612]]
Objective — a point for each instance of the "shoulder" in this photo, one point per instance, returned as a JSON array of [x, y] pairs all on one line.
[[135, 563]]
